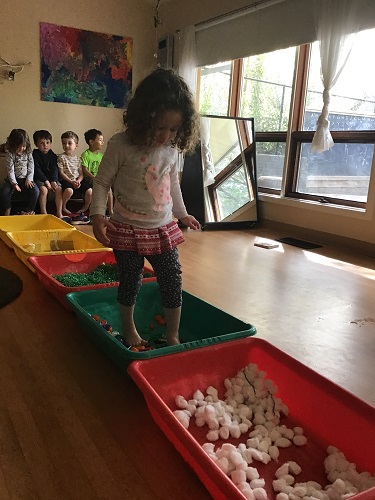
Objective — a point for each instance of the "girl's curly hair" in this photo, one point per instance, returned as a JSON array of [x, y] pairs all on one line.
[[162, 90], [18, 137]]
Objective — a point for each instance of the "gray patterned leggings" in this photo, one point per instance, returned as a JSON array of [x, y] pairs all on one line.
[[167, 269]]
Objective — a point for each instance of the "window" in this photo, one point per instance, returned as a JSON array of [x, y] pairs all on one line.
[[267, 81], [261, 87], [342, 174]]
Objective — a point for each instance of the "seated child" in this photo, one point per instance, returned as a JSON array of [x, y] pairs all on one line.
[[20, 172], [71, 176], [91, 159], [46, 173]]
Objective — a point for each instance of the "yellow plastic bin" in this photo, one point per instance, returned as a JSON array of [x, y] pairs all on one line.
[[52, 242], [42, 222]]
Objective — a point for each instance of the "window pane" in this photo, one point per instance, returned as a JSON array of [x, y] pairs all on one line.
[[342, 172], [233, 193], [270, 164], [214, 89], [352, 105], [266, 89]]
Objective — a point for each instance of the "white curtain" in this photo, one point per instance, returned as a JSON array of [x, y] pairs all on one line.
[[336, 24], [207, 161], [185, 64], [185, 56]]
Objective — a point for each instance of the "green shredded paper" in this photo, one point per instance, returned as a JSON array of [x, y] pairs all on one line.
[[104, 273]]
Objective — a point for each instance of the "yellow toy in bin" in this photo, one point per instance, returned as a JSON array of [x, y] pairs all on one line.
[[60, 241]]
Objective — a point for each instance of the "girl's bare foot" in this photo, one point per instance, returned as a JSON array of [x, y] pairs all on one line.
[[129, 331], [132, 338], [173, 339]]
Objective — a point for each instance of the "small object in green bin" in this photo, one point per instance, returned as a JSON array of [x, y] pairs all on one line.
[[104, 273]]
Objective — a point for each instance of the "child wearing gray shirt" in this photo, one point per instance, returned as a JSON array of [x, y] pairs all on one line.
[[20, 172]]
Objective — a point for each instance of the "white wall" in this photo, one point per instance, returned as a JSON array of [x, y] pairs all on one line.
[[20, 104]]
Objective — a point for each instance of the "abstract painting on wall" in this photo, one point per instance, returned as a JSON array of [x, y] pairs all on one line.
[[84, 67]]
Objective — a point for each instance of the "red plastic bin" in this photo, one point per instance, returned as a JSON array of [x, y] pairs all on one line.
[[48, 265], [328, 414]]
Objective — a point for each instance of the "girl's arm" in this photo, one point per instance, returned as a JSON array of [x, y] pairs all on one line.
[[30, 168], [9, 163], [179, 209]]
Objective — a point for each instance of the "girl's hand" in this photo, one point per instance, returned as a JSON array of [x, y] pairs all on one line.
[[190, 221], [99, 226], [53, 186], [17, 188], [29, 184], [48, 185]]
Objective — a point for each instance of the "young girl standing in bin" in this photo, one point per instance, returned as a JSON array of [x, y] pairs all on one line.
[[141, 165]]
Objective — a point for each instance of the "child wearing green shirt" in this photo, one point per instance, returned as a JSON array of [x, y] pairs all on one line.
[[91, 159]]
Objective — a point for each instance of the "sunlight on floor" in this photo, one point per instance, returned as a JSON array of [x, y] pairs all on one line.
[[338, 264]]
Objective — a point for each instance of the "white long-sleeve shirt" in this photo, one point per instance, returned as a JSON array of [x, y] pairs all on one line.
[[145, 183], [19, 167]]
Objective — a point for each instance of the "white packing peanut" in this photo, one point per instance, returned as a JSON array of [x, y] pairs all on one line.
[[247, 456], [253, 442], [282, 496], [264, 446], [213, 424], [208, 447], [257, 483], [198, 395], [289, 434], [223, 463], [213, 435], [182, 417], [298, 430], [243, 427], [224, 432], [211, 391], [274, 452], [300, 440], [229, 447], [299, 491], [257, 455], [283, 470], [265, 458], [294, 468], [238, 476], [260, 494], [289, 479], [252, 473], [234, 431], [236, 458], [282, 442], [181, 402], [278, 484]]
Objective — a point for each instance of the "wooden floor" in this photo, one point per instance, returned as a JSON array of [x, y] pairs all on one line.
[[72, 426]]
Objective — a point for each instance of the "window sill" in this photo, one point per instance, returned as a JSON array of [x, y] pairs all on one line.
[[355, 213]]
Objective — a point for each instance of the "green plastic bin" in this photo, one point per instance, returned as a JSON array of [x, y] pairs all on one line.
[[201, 325]]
